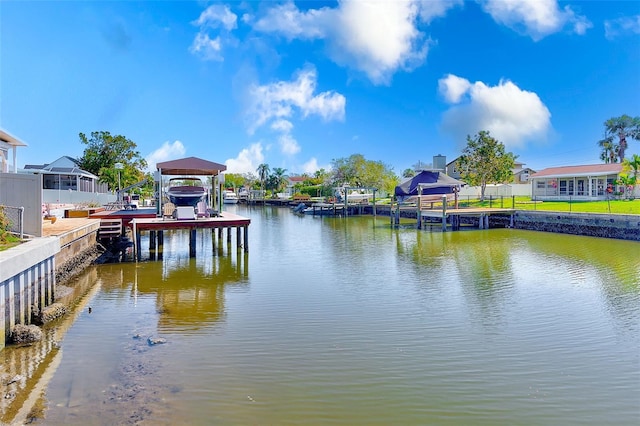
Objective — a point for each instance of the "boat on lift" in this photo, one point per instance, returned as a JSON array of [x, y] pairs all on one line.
[[186, 191]]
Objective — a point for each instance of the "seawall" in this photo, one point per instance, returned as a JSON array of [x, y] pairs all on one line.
[[30, 272], [602, 225]]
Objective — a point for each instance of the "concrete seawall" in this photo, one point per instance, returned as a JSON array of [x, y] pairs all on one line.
[[28, 272], [618, 226], [623, 227]]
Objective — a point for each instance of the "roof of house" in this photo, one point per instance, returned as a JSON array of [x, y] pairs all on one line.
[[64, 165], [297, 178], [190, 166], [585, 170], [10, 139]]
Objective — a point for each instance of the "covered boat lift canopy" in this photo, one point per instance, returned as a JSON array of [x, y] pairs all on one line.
[[190, 166], [428, 183]]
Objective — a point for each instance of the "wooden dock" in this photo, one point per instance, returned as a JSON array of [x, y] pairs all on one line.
[[156, 227], [453, 216]]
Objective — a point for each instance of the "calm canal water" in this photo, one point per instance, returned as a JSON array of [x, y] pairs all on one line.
[[347, 321]]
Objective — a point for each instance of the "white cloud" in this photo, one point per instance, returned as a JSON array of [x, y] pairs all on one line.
[[512, 115], [277, 100], [217, 15], [288, 144], [282, 125], [430, 9], [247, 160], [214, 17], [622, 26], [290, 22], [375, 37], [207, 48], [277, 103], [453, 88], [166, 152], [311, 166], [536, 18]]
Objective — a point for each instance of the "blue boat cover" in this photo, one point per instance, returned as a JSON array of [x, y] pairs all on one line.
[[430, 182]]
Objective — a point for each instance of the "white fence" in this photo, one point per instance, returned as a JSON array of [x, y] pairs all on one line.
[[518, 190]]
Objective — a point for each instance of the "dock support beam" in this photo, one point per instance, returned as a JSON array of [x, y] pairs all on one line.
[[444, 213], [192, 243], [160, 244], [246, 239]]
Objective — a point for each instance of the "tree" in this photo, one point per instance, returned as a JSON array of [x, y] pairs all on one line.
[[631, 166], [609, 149], [622, 128], [485, 161], [408, 173], [233, 180], [103, 151], [263, 173], [277, 179], [360, 172]]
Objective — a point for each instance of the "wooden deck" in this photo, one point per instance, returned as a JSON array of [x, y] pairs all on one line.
[[157, 225]]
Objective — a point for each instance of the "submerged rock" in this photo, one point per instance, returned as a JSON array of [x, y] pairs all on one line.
[[21, 333], [156, 341], [50, 313]]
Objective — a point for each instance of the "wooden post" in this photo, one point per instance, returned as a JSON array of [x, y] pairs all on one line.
[[419, 210], [137, 244], [228, 235], [238, 243], [160, 244], [444, 213], [246, 239], [192, 242], [213, 239], [152, 245]]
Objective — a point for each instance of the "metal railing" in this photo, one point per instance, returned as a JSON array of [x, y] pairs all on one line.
[[15, 219]]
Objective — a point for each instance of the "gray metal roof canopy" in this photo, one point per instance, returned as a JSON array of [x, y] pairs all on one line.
[[190, 166]]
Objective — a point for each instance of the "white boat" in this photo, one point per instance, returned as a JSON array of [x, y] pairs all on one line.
[[358, 197], [186, 191], [243, 195], [229, 197]]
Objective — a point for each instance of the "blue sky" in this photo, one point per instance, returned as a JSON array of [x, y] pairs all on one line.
[[297, 84]]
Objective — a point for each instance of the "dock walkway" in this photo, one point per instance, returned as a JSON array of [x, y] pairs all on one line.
[[157, 226]]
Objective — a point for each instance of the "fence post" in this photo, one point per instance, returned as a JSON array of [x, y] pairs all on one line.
[[21, 223]]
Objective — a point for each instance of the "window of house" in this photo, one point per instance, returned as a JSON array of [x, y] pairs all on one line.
[[563, 187]]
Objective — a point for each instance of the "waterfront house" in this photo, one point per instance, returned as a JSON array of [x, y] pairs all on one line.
[[65, 174], [8, 150], [588, 182]]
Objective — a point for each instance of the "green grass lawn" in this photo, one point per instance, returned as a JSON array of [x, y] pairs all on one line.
[[525, 203]]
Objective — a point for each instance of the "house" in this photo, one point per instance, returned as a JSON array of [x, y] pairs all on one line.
[[8, 148], [65, 174], [587, 182], [292, 181]]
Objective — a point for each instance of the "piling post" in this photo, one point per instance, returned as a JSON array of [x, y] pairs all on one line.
[[229, 235], [444, 213], [160, 244], [419, 212], [138, 241], [192, 242], [238, 243], [246, 239]]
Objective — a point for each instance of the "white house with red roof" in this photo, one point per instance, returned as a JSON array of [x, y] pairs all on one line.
[[587, 183]]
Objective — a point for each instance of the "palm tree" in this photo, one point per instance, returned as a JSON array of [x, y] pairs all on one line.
[[631, 166], [610, 150], [278, 177], [623, 127], [263, 174]]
